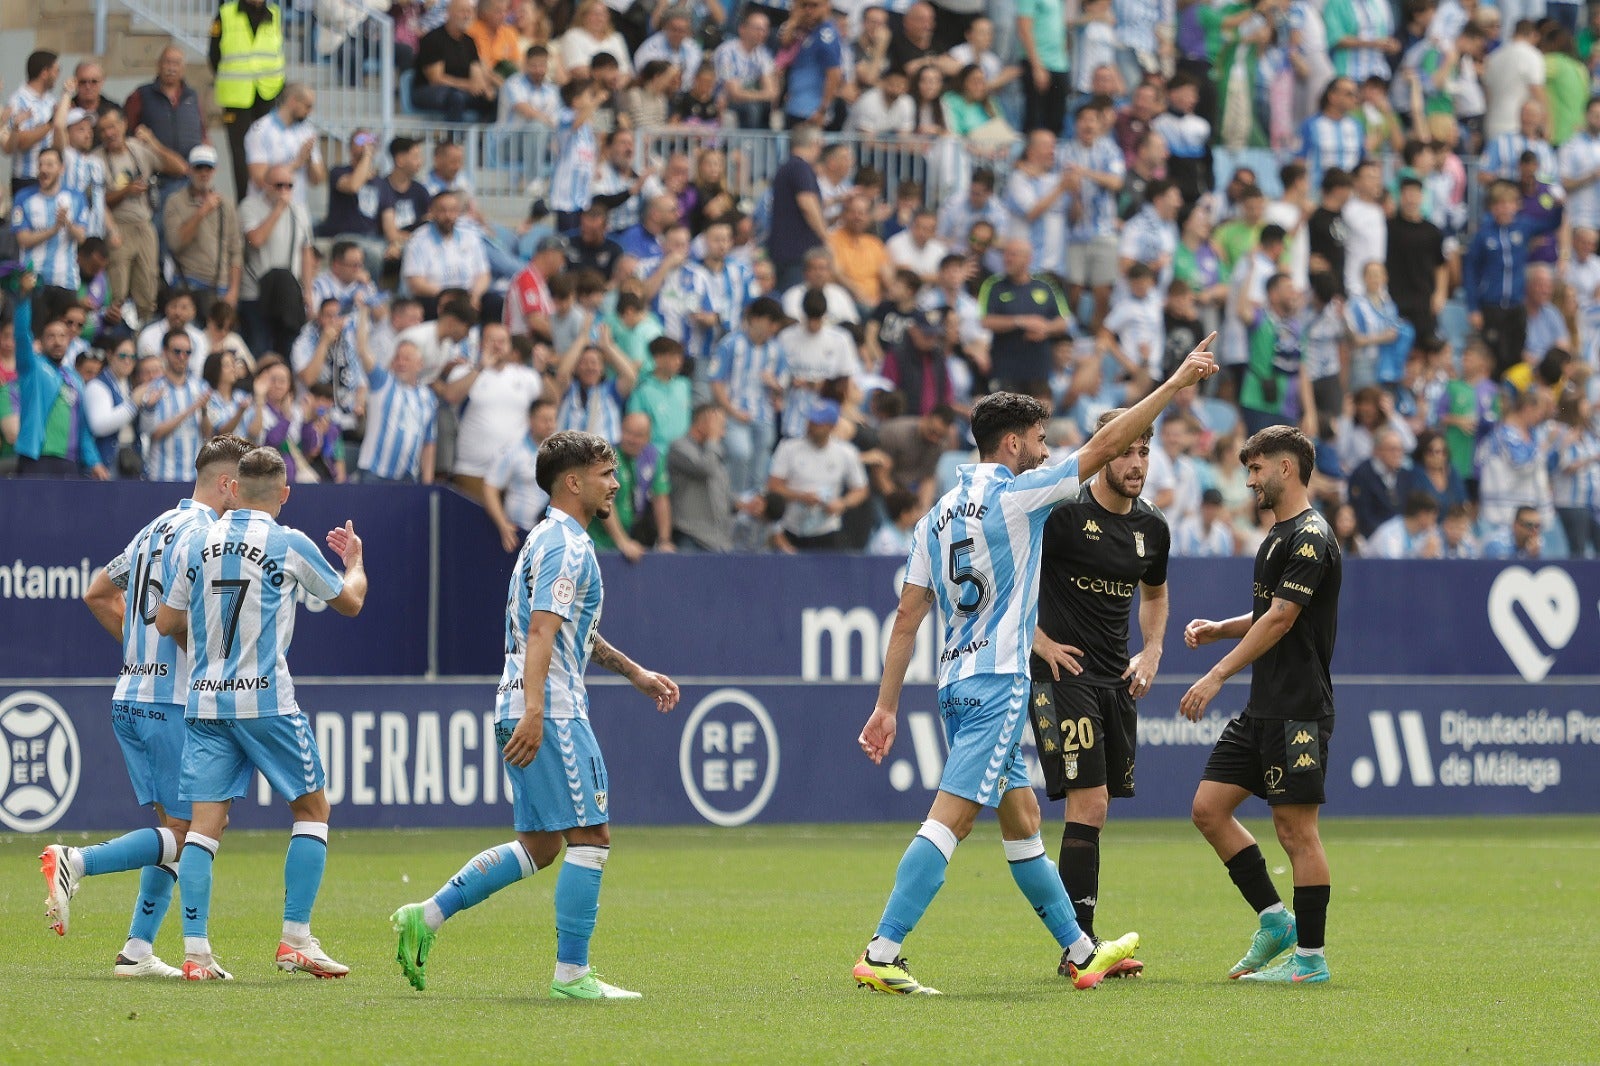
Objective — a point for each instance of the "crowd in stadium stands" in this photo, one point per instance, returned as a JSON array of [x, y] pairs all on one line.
[[1390, 216]]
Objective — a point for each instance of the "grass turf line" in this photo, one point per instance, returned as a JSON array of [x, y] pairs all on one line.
[[1449, 940]]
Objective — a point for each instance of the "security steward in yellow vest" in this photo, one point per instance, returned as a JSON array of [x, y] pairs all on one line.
[[247, 59]]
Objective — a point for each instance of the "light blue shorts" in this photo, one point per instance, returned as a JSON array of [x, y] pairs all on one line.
[[219, 756], [151, 736], [564, 787], [983, 719]]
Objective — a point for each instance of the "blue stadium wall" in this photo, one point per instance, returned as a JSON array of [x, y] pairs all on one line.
[[1463, 688]]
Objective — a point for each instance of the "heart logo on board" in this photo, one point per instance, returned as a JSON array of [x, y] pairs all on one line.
[[1549, 599]]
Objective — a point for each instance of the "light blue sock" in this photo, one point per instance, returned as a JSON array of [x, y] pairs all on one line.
[[487, 873], [194, 883], [1036, 875], [302, 870], [150, 909], [142, 847], [578, 902], [917, 880]]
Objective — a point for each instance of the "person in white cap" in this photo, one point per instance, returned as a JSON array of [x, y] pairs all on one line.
[[81, 171], [201, 227]]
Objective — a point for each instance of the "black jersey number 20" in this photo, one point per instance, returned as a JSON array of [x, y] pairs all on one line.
[[975, 592]]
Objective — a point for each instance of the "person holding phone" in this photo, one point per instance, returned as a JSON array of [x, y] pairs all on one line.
[[354, 203]]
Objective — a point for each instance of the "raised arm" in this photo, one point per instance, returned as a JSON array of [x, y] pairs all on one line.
[[1112, 440], [347, 546]]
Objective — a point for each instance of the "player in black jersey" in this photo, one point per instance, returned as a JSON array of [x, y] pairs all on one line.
[[1278, 748], [1098, 549]]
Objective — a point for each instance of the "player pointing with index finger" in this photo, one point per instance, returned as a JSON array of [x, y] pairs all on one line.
[[977, 555]]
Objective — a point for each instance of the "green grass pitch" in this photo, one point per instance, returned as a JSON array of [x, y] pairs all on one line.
[[1472, 939]]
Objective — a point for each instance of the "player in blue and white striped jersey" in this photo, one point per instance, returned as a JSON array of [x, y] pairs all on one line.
[[49, 220], [976, 554], [81, 171], [174, 417], [232, 596], [402, 413], [558, 789], [146, 715], [572, 175]]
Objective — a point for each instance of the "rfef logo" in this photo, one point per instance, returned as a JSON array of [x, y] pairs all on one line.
[[39, 762], [728, 757]]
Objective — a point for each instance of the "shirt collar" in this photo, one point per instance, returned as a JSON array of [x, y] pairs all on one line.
[[192, 504]]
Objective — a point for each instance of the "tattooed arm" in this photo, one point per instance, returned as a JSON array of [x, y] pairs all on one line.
[[658, 687]]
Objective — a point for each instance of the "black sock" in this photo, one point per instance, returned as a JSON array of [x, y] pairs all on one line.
[[1311, 914], [1249, 871], [1080, 870]]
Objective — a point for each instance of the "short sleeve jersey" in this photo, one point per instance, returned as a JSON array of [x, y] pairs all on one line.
[[1299, 562], [155, 669], [556, 572], [978, 550], [238, 581], [1094, 560]]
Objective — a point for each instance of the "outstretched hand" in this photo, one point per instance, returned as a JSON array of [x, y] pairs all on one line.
[[345, 544], [658, 687], [1198, 365]]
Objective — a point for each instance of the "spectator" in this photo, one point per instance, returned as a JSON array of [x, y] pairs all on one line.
[[402, 423], [497, 392], [1520, 540], [1502, 155], [1413, 534], [170, 107], [746, 74], [529, 100], [572, 174], [1037, 197], [1456, 540], [893, 538], [641, 512], [228, 377], [590, 36], [914, 445], [702, 496], [1575, 474], [276, 420], [442, 255], [1513, 75], [1377, 331], [1326, 230], [862, 260], [1273, 389], [285, 137], [1380, 486], [673, 44], [278, 257], [84, 93], [54, 439], [498, 51], [663, 393], [1547, 328], [345, 280], [730, 279], [324, 354], [1366, 224], [355, 203], [1188, 137], [131, 166], [588, 247], [1433, 473], [177, 316], [202, 231], [1420, 278], [819, 274], [918, 367], [886, 110], [1146, 165], [1493, 275], [1132, 334], [744, 378], [618, 186], [643, 240], [833, 180], [958, 215], [247, 60], [528, 303], [1151, 236], [1361, 38], [968, 106], [1332, 138], [173, 417], [797, 224], [50, 222], [590, 400], [1095, 172], [632, 326], [1133, 121], [32, 108], [650, 95], [82, 172], [450, 75], [512, 497], [816, 67], [1579, 163], [1027, 316], [403, 201], [220, 337], [890, 320], [814, 353], [917, 248], [1041, 30], [1207, 533], [820, 477]]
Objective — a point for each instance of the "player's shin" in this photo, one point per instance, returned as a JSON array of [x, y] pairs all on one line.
[[577, 908], [1036, 876], [303, 866], [142, 847], [1079, 867], [1248, 871], [150, 909], [916, 881], [194, 888], [1311, 916], [487, 873]]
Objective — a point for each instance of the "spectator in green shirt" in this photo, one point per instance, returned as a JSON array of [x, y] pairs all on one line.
[[633, 328], [663, 394], [1235, 238], [1566, 83], [641, 514], [1271, 393]]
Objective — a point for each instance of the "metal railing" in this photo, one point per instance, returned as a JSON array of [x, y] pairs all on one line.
[[188, 22]]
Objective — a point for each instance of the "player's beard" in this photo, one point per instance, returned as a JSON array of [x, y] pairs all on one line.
[[1120, 485], [1268, 493]]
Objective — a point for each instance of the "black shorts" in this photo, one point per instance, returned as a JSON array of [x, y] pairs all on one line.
[[1086, 736], [1282, 762]]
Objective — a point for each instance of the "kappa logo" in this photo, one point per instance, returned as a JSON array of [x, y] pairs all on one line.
[[1305, 761], [1138, 545], [1041, 700], [40, 762], [1048, 746], [1302, 737], [1091, 526], [1306, 551], [1549, 600]]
